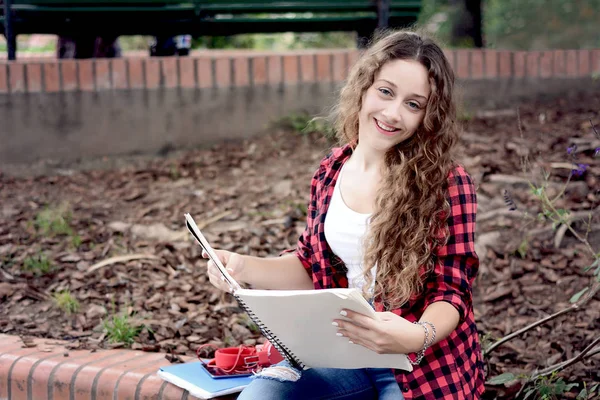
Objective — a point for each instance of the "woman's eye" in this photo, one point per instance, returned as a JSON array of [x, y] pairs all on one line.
[[414, 105], [385, 91]]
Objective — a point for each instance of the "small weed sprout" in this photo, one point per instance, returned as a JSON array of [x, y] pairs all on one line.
[[39, 264], [55, 221], [66, 302], [120, 329]]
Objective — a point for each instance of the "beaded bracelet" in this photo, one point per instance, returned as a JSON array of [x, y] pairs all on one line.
[[428, 341]]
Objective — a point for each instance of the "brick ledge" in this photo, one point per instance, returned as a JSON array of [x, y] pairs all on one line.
[[44, 372]]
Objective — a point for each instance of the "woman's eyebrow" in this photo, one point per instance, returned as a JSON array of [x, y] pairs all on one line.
[[388, 82], [419, 96]]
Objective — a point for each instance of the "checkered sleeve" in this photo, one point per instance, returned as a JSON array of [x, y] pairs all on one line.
[[303, 250], [457, 263]]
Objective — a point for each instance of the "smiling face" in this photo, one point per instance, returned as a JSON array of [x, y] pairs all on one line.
[[394, 106]]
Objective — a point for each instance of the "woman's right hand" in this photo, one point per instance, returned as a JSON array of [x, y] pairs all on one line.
[[233, 262]]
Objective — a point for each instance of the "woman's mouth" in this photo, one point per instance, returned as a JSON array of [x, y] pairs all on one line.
[[385, 128]]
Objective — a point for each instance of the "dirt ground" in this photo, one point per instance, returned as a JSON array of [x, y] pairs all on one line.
[[250, 197]]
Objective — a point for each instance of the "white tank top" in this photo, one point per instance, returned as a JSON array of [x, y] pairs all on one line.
[[344, 232]]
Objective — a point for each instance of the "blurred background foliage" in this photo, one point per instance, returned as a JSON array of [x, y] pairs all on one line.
[[541, 24], [507, 24]]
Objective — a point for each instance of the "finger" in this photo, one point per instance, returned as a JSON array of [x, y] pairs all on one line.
[[204, 254], [214, 272], [211, 268], [360, 319], [219, 284], [223, 256], [348, 328], [234, 263], [355, 337], [365, 343], [214, 277]]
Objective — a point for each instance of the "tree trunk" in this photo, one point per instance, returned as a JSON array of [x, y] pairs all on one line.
[[466, 26]]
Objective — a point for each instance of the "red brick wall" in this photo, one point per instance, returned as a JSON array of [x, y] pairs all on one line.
[[222, 69]]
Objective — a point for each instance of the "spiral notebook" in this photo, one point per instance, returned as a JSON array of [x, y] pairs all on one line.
[[298, 322]]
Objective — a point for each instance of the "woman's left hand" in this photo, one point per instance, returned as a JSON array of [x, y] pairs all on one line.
[[389, 333]]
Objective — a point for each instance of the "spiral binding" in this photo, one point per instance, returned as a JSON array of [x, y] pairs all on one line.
[[283, 350]]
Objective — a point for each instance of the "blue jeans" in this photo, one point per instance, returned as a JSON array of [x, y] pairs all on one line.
[[327, 384]]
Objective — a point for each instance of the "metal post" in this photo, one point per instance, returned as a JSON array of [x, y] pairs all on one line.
[[383, 14], [11, 40]]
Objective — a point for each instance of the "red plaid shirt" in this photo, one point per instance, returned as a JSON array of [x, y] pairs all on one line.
[[452, 368]]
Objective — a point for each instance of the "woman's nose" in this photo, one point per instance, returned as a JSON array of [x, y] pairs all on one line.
[[392, 114]]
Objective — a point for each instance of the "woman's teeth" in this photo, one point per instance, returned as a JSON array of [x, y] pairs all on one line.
[[384, 127]]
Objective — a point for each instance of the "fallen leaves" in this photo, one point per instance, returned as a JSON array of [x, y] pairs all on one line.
[[137, 258]]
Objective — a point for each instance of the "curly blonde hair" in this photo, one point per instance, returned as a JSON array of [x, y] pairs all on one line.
[[408, 221]]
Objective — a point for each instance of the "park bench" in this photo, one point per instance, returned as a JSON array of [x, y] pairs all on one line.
[[201, 18]]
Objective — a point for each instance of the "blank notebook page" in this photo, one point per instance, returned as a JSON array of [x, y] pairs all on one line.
[[302, 321]]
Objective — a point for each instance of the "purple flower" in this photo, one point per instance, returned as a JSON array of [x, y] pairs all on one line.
[[572, 149], [597, 152], [581, 168]]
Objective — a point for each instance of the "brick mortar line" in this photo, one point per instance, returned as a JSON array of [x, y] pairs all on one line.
[[484, 72], [127, 74], [195, 70], [94, 388], [32, 370], [138, 388], [232, 74], [10, 370], [116, 388], [56, 367], [8, 83], [94, 76], [25, 80], [77, 77], [61, 79], [81, 367], [111, 79], [162, 390], [213, 73], [250, 68], [144, 75]]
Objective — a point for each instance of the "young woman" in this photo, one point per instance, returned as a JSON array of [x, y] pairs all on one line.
[[393, 214]]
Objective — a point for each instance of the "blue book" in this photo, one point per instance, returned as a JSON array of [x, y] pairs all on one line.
[[195, 379]]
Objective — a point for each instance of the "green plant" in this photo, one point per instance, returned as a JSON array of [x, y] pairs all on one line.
[[39, 265], [320, 125], [55, 221], [592, 393], [548, 388], [296, 122], [560, 217], [523, 248], [121, 329], [486, 340], [174, 172], [464, 115], [304, 124], [76, 241], [66, 302], [544, 383]]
